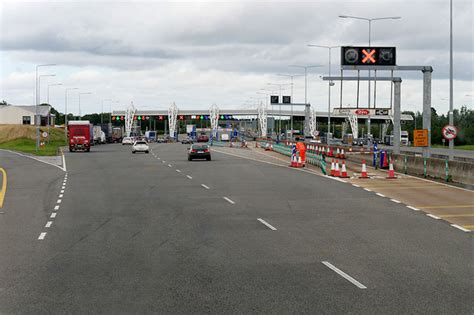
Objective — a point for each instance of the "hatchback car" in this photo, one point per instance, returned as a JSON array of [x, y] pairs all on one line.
[[199, 151], [203, 138], [140, 146], [127, 140]]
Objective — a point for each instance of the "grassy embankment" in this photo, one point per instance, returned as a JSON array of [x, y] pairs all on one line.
[[458, 147], [22, 138]]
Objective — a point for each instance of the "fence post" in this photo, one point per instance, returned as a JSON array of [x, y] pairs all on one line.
[[323, 165], [405, 164], [446, 170], [424, 167]]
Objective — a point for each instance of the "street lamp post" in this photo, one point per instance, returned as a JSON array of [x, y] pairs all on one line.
[[369, 20], [49, 111], [330, 83], [451, 106], [38, 116], [305, 79], [38, 121], [65, 110], [291, 76], [84, 93], [102, 110]]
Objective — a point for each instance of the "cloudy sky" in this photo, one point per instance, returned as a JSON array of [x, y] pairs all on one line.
[[197, 53]]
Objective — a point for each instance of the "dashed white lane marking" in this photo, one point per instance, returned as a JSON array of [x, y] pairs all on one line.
[[61, 195], [228, 200], [42, 236], [158, 158], [395, 200], [53, 215], [344, 275], [413, 208], [63, 187], [366, 189], [169, 165], [163, 161], [179, 171], [271, 227], [205, 186], [62, 191], [48, 224], [433, 216], [56, 207], [355, 185], [59, 201], [379, 194], [460, 228], [189, 177]]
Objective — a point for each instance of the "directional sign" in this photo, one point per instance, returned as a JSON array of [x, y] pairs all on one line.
[[44, 134], [274, 99], [286, 99], [420, 138], [368, 56], [449, 132]]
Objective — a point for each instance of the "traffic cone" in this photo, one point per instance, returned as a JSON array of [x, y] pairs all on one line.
[[300, 163], [343, 155], [328, 153], [293, 161], [337, 173], [344, 171], [331, 153], [391, 172], [338, 153], [363, 174], [332, 168], [385, 160]]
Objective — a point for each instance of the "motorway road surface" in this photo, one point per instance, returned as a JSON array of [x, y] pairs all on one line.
[[154, 233]]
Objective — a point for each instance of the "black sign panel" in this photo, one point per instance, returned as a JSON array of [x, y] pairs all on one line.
[[379, 111], [286, 99], [368, 56], [274, 99]]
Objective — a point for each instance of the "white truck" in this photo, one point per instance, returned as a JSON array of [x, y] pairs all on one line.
[[224, 137]]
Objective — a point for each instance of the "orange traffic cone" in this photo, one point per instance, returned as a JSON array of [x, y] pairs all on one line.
[[344, 171], [337, 173], [343, 155], [300, 163], [338, 153], [328, 153], [293, 161], [391, 172], [333, 170], [363, 174]]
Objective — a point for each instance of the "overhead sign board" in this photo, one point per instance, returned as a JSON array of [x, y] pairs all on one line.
[[274, 99], [449, 132], [420, 137], [362, 111], [286, 99], [368, 56]]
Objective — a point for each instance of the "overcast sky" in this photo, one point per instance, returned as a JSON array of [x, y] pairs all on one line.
[[203, 52]]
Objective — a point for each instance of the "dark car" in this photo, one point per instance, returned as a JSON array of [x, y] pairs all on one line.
[[199, 151], [202, 138]]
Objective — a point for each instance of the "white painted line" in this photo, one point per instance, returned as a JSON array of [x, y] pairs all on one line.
[[271, 227], [169, 165], [163, 161], [433, 216], [56, 208], [355, 185], [379, 194], [61, 195], [64, 162], [48, 224], [158, 158], [228, 200], [189, 177], [179, 171], [344, 275], [205, 186], [64, 187], [59, 201], [460, 228], [367, 189], [413, 208], [42, 235], [53, 215], [36, 159], [395, 200], [62, 191]]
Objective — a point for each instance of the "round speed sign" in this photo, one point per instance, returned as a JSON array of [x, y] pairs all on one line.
[[44, 134], [449, 132]]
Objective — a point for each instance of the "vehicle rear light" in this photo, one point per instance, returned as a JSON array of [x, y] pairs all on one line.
[[71, 141], [206, 150], [193, 151]]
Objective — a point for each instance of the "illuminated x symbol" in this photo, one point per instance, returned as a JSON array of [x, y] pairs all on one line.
[[368, 56]]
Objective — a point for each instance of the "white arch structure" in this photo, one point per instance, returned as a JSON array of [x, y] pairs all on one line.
[[172, 115], [214, 117], [262, 119], [129, 114]]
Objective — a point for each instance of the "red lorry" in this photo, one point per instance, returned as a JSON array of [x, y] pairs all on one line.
[[79, 132]]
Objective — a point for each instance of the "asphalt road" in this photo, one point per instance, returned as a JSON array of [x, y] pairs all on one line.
[[154, 233]]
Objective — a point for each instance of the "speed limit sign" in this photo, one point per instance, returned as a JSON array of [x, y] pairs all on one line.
[[449, 132], [44, 134]]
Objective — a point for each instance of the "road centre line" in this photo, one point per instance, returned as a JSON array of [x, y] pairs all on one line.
[[228, 200], [189, 177], [179, 171], [413, 208], [56, 208], [4, 186], [380, 195], [344, 275], [53, 215], [62, 191], [271, 227], [395, 200], [460, 228], [42, 236], [433, 216], [48, 224], [61, 195], [169, 165], [205, 186], [59, 201]]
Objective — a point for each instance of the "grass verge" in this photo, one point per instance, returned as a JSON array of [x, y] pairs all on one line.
[[29, 146]]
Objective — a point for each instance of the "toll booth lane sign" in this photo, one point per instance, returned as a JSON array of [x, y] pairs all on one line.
[[420, 138], [449, 132]]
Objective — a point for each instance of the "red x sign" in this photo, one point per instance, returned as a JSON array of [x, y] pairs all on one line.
[[368, 56]]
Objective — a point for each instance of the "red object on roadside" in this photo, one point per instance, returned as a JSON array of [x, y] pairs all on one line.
[[363, 174], [337, 172], [344, 171], [391, 172]]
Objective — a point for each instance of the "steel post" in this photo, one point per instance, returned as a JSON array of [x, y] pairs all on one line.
[[396, 116], [427, 109]]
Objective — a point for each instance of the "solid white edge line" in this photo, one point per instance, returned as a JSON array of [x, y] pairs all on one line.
[[179, 171], [413, 208], [189, 177], [48, 224], [228, 200], [56, 207], [433, 216], [42, 236], [53, 215], [380, 195], [344, 275], [395, 200], [460, 228], [271, 227], [355, 185], [207, 187], [367, 189], [64, 162]]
